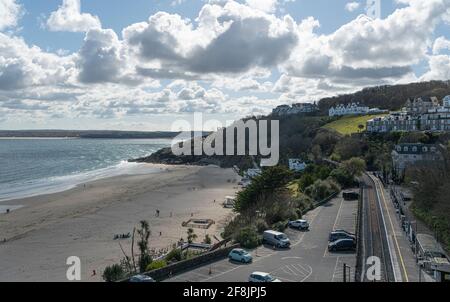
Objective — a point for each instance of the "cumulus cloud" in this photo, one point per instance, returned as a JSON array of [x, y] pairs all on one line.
[[369, 51], [352, 6], [268, 6], [69, 18], [10, 13], [441, 44], [102, 59], [22, 66], [229, 39]]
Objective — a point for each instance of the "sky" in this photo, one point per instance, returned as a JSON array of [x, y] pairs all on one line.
[[143, 64]]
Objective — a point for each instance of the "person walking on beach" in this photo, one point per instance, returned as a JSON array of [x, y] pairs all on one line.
[[157, 213]]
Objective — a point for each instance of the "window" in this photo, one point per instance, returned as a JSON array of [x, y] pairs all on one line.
[[405, 149], [425, 149], [414, 149]]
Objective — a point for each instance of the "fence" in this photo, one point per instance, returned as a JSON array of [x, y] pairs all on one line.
[[359, 242], [182, 266]]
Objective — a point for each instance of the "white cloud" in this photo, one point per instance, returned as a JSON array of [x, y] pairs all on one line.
[[69, 18], [440, 44], [352, 6], [231, 39], [268, 6], [10, 13]]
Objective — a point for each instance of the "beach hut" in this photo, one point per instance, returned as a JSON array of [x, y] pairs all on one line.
[[229, 202]]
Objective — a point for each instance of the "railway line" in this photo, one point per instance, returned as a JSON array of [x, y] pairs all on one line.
[[374, 236]]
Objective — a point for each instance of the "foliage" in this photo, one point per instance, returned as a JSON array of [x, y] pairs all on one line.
[[354, 166], [157, 264], [280, 226], [174, 255], [322, 189], [207, 239], [248, 238], [262, 187], [191, 236], [144, 258], [113, 273], [343, 177]]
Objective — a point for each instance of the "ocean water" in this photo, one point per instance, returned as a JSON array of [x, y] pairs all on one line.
[[30, 167]]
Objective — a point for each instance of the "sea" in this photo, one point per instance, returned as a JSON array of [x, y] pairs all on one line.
[[30, 166]]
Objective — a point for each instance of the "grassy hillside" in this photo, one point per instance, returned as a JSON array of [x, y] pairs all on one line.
[[350, 124]]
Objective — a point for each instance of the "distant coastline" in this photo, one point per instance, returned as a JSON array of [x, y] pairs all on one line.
[[107, 134]]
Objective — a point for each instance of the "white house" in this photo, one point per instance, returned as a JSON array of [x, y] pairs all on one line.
[[297, 165], [446, 101], [349, 109]]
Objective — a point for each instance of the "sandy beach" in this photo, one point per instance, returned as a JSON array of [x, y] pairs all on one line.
[[37, 239]]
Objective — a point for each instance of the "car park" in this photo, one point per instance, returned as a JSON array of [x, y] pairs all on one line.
[[299, 224], [262, 277], [141, 278], [277, 239], [342, 245], [240, 255], [336, 235]]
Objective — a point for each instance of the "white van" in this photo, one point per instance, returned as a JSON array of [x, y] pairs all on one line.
[[277, 239]]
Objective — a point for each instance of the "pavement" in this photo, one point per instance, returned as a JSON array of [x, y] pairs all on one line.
[[308, 259]]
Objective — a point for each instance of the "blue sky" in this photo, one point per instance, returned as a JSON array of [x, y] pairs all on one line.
[[140, 65]]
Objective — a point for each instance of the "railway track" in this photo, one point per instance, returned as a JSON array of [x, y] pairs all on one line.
[[374, 232]]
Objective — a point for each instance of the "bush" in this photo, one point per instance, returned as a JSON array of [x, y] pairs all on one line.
[[280, 226], [343, 177], [207, 239], [248, 238], [157, 264], [322, 189], [261, 225], [113, 273], [174, 255]]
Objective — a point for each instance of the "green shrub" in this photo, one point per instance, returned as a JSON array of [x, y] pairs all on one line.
[[174, 255], [280, 226], [157, 264], [261, 225], [113, 273], [248, 238]]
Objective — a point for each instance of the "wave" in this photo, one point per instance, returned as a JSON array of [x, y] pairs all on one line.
[[63, 183]]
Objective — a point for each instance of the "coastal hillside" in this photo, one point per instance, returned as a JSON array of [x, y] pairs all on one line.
[[388, 97]]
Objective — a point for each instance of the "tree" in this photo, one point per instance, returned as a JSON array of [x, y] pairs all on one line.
[[355, 166], [207, 239], [113, 273], [361, 127], [191, 235], [144, 258], [262, 187]]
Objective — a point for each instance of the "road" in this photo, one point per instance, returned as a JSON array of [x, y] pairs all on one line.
[[308, 259]]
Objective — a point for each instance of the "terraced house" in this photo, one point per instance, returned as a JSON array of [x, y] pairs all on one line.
[[421, 114], [407, 155]]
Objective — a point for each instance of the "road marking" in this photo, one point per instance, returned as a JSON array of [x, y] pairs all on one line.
[[338, 214], [395, 237], [314, 213]]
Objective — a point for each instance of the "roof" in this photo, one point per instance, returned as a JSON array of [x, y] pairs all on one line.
[[413, 148], [429, 244]]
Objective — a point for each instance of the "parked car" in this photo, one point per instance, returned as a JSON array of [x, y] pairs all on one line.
[[240, 255], [277, 239], [342, 245], [336, 235], [344, 231], [299, 224], [141, 278], [262, 277]]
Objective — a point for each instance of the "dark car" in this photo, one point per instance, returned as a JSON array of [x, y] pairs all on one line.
[[336, 235], [342, 245]]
